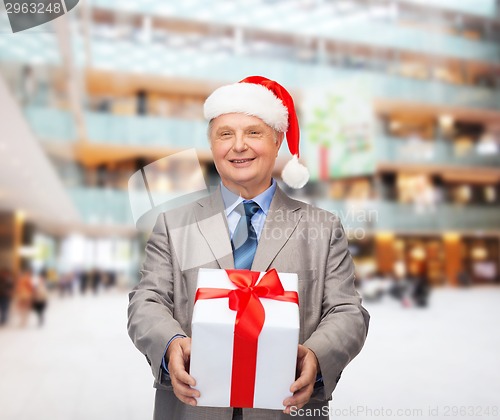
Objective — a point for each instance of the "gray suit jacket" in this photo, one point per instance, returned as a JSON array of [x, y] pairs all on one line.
[[297, 238]]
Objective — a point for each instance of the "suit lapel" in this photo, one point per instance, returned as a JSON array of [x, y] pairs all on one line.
[[212, 223], [281, 222]]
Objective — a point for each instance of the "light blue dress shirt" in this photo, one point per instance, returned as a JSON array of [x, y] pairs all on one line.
[[231, 202]]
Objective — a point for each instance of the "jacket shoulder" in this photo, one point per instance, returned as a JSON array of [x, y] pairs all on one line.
[[311, 213], [189, 213]]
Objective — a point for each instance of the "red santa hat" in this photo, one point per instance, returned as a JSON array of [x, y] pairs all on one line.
[[271, 102]]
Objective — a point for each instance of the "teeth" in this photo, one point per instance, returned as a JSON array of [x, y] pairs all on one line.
[[241, 161]]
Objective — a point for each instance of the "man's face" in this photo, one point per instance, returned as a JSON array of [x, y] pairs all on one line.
[[244, 150]]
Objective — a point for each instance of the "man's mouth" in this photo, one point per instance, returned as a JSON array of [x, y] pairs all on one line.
[[241, 160]]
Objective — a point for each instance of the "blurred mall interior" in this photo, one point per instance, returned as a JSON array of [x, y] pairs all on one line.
[[399, 104]]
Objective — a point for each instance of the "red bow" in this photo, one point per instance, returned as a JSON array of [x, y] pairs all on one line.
[[250, 316]]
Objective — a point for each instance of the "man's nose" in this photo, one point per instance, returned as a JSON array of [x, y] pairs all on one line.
[[239, 144]]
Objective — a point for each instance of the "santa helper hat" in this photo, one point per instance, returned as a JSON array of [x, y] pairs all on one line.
[[269, 101]]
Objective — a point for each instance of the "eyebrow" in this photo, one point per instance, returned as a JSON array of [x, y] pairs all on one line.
[[224, 128], [253, 127], [250, 127]]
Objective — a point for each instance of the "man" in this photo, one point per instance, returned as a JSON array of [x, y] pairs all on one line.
[[6, 291], [247, 124]]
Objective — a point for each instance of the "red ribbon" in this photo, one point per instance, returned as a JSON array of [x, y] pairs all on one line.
[[250, 316]]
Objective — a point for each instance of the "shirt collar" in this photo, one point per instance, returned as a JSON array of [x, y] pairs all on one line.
[[231, 200]]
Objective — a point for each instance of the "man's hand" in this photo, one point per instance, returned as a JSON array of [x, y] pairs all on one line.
[[302, 388], [178, 356]]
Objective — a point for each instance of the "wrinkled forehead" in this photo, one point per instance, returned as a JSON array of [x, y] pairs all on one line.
[[237, 121]]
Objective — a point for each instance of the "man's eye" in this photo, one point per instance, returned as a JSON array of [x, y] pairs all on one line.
[[254, 133], [225, 134]]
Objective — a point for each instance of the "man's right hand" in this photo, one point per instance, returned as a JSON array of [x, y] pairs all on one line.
[[178, 356]]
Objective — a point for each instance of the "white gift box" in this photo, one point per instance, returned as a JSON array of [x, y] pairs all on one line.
[[213, 326]]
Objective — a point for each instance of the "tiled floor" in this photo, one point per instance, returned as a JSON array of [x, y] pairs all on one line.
[[80, 366], [440, 362]]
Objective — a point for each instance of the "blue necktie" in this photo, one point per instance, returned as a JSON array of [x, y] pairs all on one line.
[[244, 240]]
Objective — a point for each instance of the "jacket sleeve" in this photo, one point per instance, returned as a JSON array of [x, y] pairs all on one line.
[[151, 324], [342, 330]]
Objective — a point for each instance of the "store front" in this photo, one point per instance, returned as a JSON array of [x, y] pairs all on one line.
[[481, 260], [423, 257], [448, 259]]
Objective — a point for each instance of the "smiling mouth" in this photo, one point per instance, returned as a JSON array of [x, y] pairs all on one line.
[[241, 160]]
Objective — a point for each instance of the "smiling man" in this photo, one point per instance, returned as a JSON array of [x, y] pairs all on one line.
[[249, 223], [244, 150]]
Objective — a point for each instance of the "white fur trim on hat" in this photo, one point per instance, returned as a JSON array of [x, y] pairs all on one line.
[[294, 174], [249, 99]]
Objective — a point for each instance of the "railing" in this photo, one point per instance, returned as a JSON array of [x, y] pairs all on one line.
[[99, 206], [485, 8], [324, 22], [392, 149], [360, 216], [146, 131], [51, 123]]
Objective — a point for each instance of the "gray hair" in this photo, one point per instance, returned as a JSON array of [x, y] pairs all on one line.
[[209, 128]]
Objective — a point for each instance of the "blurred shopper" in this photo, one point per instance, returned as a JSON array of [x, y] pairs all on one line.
[[6, 291], [374, 287], [401, 289], [421, 291], [52, 279], [109, 279], [40, 297], [142, 102], [29, 85], [464, 279], [66, 282], [397, 289], [95, 280], [83, 280], [24, 296]]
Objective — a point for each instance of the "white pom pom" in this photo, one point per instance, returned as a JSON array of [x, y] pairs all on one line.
[[294, 174]]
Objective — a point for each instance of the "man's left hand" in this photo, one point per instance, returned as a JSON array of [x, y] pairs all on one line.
[[302, 388]]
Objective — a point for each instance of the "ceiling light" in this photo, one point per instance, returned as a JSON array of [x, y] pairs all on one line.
[[446, 121], [395, 125], [451, 236], [479, 253], [20, 215]]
